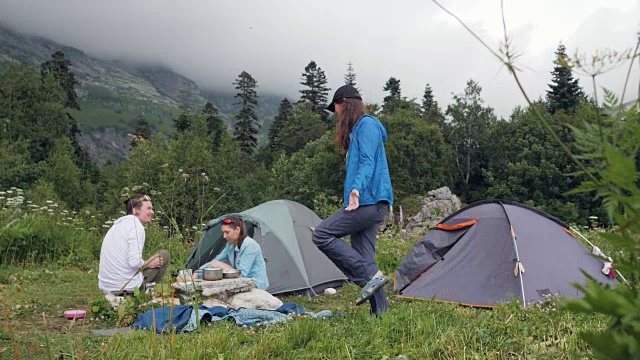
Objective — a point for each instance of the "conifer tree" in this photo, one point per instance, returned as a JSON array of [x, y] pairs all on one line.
[[430, 110], [392, 101], [59, 67], [281, 120], [428, 102], [215, 125], [246, 129], [141, 132], [350, 77], [564, 91], [316, 91], [183, 121]]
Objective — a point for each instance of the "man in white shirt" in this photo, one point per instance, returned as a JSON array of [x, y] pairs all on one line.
[[122, 268]]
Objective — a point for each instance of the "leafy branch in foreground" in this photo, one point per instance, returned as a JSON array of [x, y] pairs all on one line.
[[608, 157]]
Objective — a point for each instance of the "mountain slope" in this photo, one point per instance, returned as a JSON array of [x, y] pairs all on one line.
[[112, 94]]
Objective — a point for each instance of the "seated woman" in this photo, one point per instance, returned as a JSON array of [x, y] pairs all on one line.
[[241, 252]]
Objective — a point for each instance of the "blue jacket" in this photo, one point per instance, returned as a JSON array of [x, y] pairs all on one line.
[[367, 168], [250, 261]]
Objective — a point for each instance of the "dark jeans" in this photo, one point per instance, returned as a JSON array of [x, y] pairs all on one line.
[[357, 261]]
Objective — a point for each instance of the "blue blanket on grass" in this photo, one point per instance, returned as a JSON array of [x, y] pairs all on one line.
[[185, 318]]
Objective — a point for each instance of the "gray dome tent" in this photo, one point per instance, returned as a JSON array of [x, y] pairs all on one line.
[[477, 255], [283, 229]]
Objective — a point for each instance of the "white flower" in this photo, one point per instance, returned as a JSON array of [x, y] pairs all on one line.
[[3, 193], [49, 202], [105, 226], [9, 192]]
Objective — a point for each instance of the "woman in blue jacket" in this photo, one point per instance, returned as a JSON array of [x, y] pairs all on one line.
[[241, 252], [367, 197]]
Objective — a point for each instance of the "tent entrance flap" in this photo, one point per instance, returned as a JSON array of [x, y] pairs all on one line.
[[428, 251]]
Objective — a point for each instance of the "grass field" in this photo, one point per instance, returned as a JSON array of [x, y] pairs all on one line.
[[34, 299]]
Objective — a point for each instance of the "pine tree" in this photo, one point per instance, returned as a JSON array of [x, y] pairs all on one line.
[[59, 67], [565, 93], [392, 101], [215, 125], [141, 132], [428, 102], [350, 77], [281, 120], [183, 121], [246, 129], [430, 110], [316, 92]]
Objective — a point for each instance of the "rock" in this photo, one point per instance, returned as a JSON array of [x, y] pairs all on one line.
[[437, 205], [330, 291], [254, 299]]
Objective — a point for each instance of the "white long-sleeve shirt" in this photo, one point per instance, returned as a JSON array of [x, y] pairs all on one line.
[[121, 255]]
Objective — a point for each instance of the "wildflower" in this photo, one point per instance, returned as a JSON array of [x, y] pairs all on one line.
[[164, 165], [203, 174], [105, 226], [2, 197], [50, 210], [49, 202], [9, 192], [216, 189], [29, 202], [3, 193]]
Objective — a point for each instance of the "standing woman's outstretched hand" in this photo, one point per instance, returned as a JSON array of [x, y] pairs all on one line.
[[354, 200]]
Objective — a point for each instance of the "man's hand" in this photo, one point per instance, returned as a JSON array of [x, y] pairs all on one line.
[[354, 200], [154, 262]]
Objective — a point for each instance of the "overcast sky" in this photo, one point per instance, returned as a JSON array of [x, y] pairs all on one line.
[[211, 41]]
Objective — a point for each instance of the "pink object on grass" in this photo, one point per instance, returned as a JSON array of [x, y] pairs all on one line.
[[75, 314]]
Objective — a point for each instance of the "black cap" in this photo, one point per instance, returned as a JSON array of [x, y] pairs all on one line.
[[345, 91]]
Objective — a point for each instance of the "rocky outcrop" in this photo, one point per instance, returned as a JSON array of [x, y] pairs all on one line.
[[437, 205]]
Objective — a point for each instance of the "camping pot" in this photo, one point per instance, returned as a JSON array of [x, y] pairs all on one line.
[[212, 274], [231, 273]]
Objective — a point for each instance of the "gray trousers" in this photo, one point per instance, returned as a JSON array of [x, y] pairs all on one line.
[[155, 275], [357, 261]]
